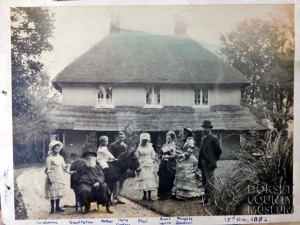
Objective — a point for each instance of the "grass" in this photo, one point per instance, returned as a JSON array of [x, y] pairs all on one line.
[[173, 207]]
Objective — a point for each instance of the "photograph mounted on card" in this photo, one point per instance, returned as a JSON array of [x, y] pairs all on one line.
[[163, 114]]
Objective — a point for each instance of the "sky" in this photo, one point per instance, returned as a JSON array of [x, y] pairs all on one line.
[[78, 28]]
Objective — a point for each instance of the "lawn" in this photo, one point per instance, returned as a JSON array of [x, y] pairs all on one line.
[[173, 207]]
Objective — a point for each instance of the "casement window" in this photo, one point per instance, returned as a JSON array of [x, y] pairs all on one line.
[[200, 97], [153, 96], [104, 96]]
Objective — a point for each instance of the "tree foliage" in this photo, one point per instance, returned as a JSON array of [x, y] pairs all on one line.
[[264, 53], [91, 142], [31, 29]]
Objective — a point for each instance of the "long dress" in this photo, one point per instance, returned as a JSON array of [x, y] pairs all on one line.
[[166, 172], [55, 165], [186, 184], [146, 178]]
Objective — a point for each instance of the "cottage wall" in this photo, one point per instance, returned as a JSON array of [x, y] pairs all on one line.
[[225, 95], [79, 94], [134, 95], [177, 96]]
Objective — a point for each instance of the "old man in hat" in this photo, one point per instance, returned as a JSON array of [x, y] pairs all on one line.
[[90, 181], [210, 152]]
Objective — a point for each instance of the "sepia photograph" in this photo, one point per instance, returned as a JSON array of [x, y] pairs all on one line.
[[169, 112]]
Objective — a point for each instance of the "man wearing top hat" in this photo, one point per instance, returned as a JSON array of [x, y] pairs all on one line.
[[210, 152]]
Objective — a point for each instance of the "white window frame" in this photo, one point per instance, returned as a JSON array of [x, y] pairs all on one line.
[[201, 105], [105, 104], [152, 97]]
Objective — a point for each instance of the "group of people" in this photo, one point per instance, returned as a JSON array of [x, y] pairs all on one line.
[[181, 174], [89, 177]]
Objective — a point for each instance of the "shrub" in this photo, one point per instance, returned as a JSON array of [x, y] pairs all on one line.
[[264, 173]]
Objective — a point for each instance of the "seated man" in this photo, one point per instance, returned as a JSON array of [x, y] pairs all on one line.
[[90, 184]]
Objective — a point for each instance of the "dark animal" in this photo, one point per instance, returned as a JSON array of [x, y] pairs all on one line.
[[117, 168]]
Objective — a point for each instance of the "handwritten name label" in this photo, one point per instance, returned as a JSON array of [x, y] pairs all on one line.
[[122, 222], [142, 221], [254, 219], [46, 222], [164, 221], [106, 221], [81, 222], [184, 220]]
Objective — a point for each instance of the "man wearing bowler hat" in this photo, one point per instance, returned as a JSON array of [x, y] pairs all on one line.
[[210, 152]]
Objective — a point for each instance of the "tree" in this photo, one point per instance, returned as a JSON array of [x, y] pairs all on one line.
[[31, 29], [91, 142], [264, 53]]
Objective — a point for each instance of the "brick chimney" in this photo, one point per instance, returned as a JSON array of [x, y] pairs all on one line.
[[180, 26]]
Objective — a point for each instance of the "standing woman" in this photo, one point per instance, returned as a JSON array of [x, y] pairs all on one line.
[[167, 167], [186, 184], [146, 178], [55, 166]]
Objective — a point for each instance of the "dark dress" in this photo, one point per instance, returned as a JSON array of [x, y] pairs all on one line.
[[166, 171]]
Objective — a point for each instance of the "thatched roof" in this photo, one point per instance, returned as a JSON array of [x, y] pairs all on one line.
[[227, 117], [138, 57]]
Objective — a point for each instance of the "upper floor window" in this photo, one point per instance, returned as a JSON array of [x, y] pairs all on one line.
[[104, 96], [201, 97], [153, 96]]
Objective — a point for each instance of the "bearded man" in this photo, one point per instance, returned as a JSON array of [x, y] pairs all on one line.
[[90, 181]]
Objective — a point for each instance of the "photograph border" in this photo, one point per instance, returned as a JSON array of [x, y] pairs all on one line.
[[6, 160]]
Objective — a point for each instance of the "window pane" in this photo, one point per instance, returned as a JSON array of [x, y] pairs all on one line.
[[156, 96], [100, 96], [197, 97], [204, 96], [148, 96], [109, 96]]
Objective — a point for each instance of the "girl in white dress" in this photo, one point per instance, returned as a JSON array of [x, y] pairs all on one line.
[[146, 178], [55, 166]]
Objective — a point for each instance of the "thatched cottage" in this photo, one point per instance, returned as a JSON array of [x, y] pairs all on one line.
[[152, 83]]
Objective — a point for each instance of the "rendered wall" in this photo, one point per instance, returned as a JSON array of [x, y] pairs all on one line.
[[134, 95], [79, 94], [229, 95]]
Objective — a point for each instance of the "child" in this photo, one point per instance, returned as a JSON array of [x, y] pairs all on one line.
[[103, 155], [55, 166]]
